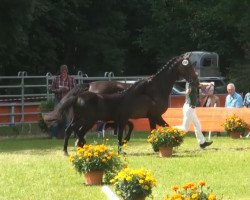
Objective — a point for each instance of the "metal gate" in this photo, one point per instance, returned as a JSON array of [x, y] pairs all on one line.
[[21, 95]]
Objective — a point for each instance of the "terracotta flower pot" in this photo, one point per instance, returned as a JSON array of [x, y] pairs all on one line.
[[235, 135], [93, 178], [165, 151]]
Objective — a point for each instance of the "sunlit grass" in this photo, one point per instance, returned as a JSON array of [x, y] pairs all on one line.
[[37, 169]]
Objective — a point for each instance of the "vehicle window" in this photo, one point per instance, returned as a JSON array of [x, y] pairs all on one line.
[[180, 85], [207, 62]]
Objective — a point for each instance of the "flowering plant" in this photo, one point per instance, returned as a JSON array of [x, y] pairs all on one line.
[[235, 124], [131, 184], [99, 157], [191, 191], [166, 136]]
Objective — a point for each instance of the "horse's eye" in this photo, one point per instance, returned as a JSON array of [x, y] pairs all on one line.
[[185, 62]]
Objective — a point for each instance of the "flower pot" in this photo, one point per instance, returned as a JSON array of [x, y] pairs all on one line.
[[165, 151], [235, 135], [93, 178]]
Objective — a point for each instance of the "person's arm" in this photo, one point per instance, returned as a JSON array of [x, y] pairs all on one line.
[[54, 87], [239, 102], [245, 101], [217, 101]]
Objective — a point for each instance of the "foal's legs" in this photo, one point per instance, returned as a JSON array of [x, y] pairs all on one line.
[[68, 132], [85, 127], [73, 126], [130, 129], [121, 126]]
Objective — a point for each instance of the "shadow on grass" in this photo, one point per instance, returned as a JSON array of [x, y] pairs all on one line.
[[41, 143]]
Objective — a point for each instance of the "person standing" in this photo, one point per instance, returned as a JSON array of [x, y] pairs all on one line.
[[189, 114], [233, 99], [246, 104], [208, 98], [246, 101], [61, 85]]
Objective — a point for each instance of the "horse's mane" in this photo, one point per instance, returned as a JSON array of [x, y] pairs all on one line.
[[134, 86], [168, 66]]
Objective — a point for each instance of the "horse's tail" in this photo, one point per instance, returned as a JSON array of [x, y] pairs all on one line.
[[65, 104]]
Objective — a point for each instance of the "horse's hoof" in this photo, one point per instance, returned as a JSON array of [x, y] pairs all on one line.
[[121, 152]]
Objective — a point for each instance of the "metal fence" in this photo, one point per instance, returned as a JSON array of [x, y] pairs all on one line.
[[21, 95]]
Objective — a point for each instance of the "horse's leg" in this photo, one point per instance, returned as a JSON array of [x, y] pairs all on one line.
[[80, 141], [85, 127], [121, 126], [68, 132], [130, 129], [152, 123], [161, 122]]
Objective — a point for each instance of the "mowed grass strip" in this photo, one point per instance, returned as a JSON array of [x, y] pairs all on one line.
[[37, 169]]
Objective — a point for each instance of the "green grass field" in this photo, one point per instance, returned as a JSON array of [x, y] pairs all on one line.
[[35, 168]]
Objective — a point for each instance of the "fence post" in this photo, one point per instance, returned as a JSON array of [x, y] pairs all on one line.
[[80, 74], [12, 116], [48, 75], [23, 74]]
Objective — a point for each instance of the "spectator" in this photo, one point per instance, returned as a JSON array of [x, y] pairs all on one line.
[[190, 114], [233, 99], [209, 99], [246, 102], [61, 85]]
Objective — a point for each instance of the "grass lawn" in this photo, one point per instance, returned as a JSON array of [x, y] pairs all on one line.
[[35, 168]]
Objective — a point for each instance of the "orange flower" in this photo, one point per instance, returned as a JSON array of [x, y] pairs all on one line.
[[175, 187], [202, 183]]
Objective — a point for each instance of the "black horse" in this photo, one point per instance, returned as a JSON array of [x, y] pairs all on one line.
[[110, 87], [147, 98], [100, 87]]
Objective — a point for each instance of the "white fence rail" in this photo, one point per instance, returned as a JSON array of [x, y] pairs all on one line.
[[20, 93]]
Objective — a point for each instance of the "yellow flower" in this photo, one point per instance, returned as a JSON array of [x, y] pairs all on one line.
[[71, 157], [212, 197], [195, 196], [128, 178]]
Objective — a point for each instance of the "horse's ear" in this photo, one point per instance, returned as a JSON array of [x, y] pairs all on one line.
[[187, 55]]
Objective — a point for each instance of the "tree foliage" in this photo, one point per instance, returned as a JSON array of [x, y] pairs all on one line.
[[129, 37]]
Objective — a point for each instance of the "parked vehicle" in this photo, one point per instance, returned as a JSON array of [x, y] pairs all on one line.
[[207, 63]]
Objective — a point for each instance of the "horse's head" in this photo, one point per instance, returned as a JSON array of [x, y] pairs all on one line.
[[186, 69]]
